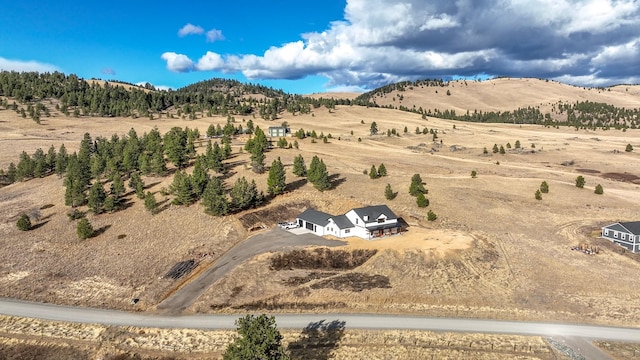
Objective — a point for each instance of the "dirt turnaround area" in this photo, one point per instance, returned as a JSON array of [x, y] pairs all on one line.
[[493, 252]]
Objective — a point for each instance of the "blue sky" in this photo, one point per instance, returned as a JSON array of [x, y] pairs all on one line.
[[303, 46]]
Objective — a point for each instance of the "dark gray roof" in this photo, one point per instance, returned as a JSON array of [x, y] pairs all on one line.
[[315, 217], [633, 227], [374, 212], [342, 222]]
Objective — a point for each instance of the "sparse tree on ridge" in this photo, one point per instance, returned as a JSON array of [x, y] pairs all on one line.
[[580, 181]]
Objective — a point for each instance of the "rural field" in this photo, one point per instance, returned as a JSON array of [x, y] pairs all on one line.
[[494, 251]]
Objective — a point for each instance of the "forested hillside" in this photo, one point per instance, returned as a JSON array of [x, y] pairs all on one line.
[[79, 97]]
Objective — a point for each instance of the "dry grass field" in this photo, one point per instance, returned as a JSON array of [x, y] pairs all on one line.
[[494, 251], [31, 338]]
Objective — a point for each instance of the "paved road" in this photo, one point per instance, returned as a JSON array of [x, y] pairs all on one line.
[[273, 240], [299, 321]]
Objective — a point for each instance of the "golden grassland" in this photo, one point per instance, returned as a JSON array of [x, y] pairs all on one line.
[[494, 251]]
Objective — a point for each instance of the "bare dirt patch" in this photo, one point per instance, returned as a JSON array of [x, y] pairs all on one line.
[[320, 258], [624, 177]]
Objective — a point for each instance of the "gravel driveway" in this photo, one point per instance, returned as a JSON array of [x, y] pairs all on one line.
[[271, 241]]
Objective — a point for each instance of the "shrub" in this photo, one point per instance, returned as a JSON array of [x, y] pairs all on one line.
[[431, 216], [75, 214], [474, 174], [538, 195], [24, 223], [629, 148], [599, 190], [544, 187], [580, 181]]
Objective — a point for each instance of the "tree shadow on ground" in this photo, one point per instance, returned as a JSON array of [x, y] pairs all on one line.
[[149, 186], [162, 206], [295, 185], [318, 340], [39, 225], [101, 230], [336, 180]]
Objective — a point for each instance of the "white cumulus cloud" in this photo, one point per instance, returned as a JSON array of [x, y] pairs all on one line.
[[190, 29], [214, 35], [177, 62], [25, 66], [382, 41]]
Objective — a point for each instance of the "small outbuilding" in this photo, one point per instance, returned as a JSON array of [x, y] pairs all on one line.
[[278, 131], [626, 234]]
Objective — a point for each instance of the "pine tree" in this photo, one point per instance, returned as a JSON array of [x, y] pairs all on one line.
[[431, 216], [374, 128], [373, 173], [137, 184], [474, 174], [158, 165], [495, 148], [181, 189], [299, 168], [150, 202], [50, 159], [629, 148], [502, 150], [214, 200], [175, 147], [96, 198], [84, 229], [382, 170], [11, 173], [244, 194], [422, 201], [75, 182], [580, 181], [277, 181], [538, 195], [117, 186], [388, 193], [258, 338], [416, 186], [517, 145], [61, 160], [318, 175], [199, 177]]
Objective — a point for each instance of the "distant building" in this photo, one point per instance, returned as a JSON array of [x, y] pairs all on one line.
[[626, 234], [367, 222], [278, 131]]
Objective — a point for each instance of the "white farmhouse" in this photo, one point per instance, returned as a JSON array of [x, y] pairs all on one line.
[[368, 222]]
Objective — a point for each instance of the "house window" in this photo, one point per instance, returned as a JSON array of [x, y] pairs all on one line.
[[381, 220], [606, 231], [346, 231], [615, 234], [356, 221], [622, 236]]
